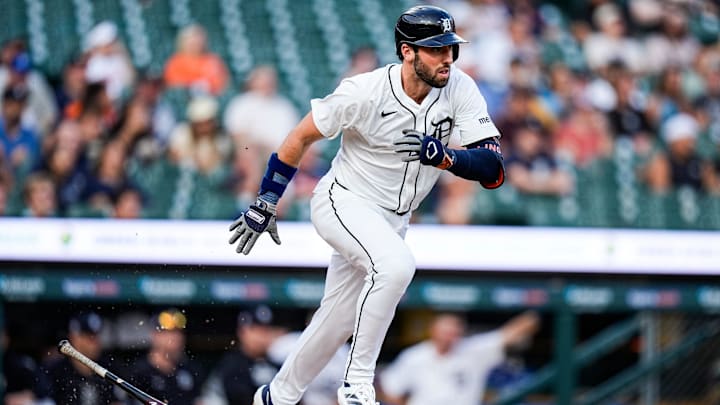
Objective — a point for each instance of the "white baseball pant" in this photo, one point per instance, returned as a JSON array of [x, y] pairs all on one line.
[[369, 271]]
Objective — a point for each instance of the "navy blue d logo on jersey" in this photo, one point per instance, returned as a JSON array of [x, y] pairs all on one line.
[[442, 128]]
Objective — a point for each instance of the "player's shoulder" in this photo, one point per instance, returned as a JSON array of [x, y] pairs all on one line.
[[460, 81], [368, 80]]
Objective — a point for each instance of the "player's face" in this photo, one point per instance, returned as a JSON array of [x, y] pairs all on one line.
[[432, 65]]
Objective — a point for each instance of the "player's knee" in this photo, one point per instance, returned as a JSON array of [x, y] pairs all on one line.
[[397, 270]]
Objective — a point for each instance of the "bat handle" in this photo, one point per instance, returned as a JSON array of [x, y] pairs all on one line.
[[66, 348]]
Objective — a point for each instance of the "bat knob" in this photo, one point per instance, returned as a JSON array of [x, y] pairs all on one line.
[[62, 344]]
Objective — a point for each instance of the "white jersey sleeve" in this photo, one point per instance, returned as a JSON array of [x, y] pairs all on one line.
[[472, 120], [347, 107], [488, 348]]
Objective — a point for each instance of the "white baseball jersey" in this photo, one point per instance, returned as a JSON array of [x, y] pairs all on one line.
[[456, 378], [371, 110]]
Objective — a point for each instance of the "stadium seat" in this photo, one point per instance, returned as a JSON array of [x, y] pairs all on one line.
[[211, 197], [158, 181]]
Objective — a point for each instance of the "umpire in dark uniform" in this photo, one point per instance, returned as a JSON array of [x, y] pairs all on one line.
[[166, 372], [72, 383], [240, 372]]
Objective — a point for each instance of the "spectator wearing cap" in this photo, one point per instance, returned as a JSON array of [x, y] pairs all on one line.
[[193, 65], [685, 167], [108, 61], [18, 142], [199, 143], [71, 382], [166, 372], [531, 168], [40, 111], [240, 372]]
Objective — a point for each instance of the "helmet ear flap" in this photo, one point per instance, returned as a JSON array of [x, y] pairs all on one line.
[[456, 52]]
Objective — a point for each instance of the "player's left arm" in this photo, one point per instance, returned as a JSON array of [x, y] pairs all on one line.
[[481, 161], [482, 158]]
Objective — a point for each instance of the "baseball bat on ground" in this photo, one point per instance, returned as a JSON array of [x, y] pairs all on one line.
[[67, 349]]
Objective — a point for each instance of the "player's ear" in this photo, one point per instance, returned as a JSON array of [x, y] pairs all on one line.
[[407, 52]]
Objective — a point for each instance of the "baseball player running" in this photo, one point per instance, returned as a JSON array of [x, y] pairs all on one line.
[[396, 123]]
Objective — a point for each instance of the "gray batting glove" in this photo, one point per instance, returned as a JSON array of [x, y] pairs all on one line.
[[258, 218], [411, 143], [428, 150]]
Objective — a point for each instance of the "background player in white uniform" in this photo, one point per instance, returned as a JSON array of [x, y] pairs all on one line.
[[396, 123], [449, 368]]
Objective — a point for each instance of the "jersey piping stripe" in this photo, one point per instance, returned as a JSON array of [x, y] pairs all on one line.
[[407, 165], [372, 276], [417, 177]]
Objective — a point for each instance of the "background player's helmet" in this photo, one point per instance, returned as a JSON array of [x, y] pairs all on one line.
[[428, 26]]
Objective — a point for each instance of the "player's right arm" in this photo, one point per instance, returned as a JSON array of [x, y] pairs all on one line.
[[261, 216], [344, 108], [299, 140]]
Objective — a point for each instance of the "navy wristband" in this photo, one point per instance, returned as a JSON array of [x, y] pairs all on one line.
[[277, 176]]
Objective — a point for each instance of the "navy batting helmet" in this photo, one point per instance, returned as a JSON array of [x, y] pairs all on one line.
[[427, 26]]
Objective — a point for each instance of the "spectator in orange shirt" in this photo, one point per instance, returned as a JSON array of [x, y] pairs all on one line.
[[193, 65]]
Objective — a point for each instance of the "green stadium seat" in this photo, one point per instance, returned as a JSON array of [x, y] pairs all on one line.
[[158, 181], [160, 32], [13, 22], [211, 197], [503, 206]]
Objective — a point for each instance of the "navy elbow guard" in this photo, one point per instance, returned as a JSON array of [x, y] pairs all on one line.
[[481, 161], [277, 176]]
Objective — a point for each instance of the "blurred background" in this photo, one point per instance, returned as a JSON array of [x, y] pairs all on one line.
[[131, 114]]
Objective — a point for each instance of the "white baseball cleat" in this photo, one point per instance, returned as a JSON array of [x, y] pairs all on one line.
[[262, 396], [356, 394]]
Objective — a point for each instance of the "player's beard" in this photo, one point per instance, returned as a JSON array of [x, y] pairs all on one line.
[[425, 73]]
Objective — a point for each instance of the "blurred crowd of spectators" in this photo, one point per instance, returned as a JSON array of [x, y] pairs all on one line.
[[567, 88]]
